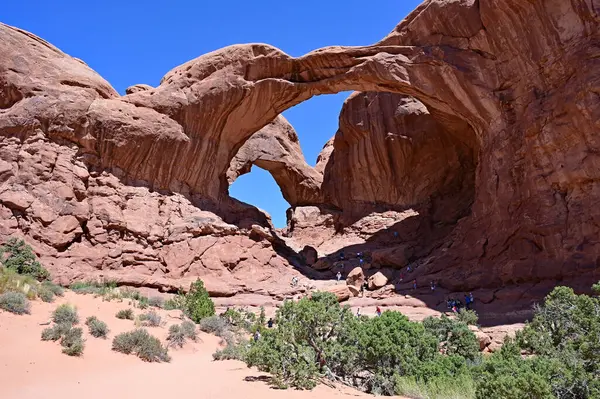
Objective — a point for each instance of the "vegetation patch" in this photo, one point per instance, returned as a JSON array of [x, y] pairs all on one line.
[[65, 314], [14, 302], [16, 255], [125, 314], [97, 328], [197, 303], [140, 343], [56, 332], [557, 355], [180, 333], [150, 319], [72, 342]]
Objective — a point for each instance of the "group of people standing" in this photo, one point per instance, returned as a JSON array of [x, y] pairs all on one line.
[[455, 304]]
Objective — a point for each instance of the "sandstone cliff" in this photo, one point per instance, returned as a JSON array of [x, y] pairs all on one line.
[[495, 140]]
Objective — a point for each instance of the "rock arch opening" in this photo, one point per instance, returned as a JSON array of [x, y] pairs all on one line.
[[258, 188]]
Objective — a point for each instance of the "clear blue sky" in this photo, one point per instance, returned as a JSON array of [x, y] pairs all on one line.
[[133, 41]]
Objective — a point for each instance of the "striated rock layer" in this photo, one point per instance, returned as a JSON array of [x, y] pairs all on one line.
[[490, 140]]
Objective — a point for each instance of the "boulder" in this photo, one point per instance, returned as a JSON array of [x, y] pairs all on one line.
[[356, 278], [484, 339], [378, 280], [341, 291]]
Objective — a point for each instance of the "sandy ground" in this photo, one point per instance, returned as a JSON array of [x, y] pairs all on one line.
[[31, 368]]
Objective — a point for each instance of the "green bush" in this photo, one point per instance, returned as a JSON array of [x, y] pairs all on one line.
[[100, 288], [454, 335], [72, 342], [468, 317], [150, 319], [14, 302], [65, 314], [97, 328], [235, 351], [443, 387], [176, 302], [143, 302], [197, 302], [142, 344], [22, 259], [55, 332], [126, 314], [46, 294]]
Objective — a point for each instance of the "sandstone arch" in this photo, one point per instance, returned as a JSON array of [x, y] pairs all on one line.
[[523, 75]]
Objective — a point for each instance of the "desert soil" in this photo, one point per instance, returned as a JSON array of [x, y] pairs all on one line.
[[31, 368]]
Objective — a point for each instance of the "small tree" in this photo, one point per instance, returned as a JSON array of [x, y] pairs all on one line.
[[22, 259], [197, 304]]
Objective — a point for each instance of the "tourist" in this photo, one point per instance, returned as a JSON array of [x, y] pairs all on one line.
[[270, 323], [339, 276], [414, 284], [358, 312], [432, 285], [401, 277], [378, 310], [256, 336]]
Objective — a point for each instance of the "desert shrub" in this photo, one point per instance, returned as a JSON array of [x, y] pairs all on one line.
[[14, 302], [156, 301], [142, 344], [234, 351], [214, 325], [171, 304], [97, 328], [57, 290], [150, 319], [65, 314], [189, 329], [22, 259], [443, 387], [55, 332], [176, 336], [143, 302], [72, 342], [100, 288], [179, 333], [197, 302], [46, 294], [126, 314], [468, 317]]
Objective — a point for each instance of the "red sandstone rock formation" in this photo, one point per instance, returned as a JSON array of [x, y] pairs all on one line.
[[511, 95], [276, 149]]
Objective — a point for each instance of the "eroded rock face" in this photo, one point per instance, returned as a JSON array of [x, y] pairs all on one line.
[[390, 152], [85, 224], [276, 149], [511, 91]]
